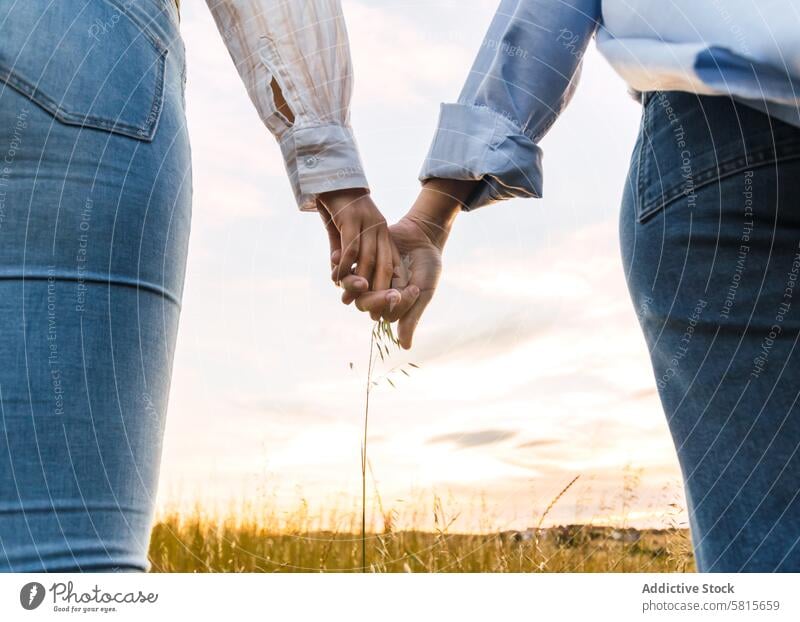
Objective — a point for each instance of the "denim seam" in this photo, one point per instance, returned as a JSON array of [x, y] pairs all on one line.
[[151, 36], [147, 286], [65, 505], [642, 169]]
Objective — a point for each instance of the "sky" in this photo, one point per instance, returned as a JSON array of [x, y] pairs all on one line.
[[532, 368]]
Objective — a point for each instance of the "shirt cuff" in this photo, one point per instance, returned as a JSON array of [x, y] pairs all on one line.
[[477, 143], [321, 158]]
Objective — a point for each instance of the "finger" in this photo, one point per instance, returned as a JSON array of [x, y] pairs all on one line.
[[354, 286], [384, 264], [350, 247], [334, 239], [336, 258], [378, 302], [395, 305], [367, 254], [390, 304], [335, 274], [408, 323], [408, 297]]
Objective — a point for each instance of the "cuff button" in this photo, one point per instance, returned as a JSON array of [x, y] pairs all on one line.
[[311, 161]]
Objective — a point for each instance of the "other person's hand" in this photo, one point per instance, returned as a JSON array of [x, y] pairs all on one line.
[[359, 238]]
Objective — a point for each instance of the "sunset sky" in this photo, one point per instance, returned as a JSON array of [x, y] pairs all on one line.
[[532, 366]]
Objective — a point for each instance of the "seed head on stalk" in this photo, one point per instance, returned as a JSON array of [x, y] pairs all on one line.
[[382, 341]]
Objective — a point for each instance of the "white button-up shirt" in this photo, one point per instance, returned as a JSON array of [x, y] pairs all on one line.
[[302, 47]]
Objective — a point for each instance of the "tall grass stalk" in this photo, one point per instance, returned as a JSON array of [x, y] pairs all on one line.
[[381, 337], [364, 453]]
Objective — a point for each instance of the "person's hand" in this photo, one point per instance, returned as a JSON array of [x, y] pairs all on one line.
[[420, 237], [420, 244], [358, 236]]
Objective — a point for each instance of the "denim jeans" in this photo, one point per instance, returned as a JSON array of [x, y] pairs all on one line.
[[95, 195], [710, 236]]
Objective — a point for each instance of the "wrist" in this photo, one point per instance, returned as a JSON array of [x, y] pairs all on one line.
[[438, 204], [343, 194]]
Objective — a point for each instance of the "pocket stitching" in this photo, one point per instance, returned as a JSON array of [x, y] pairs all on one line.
[[124, 9], [770, 154], [19, 82]]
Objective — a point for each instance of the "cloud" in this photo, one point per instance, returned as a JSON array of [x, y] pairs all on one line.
[[474, 439], [283, 410], [643, 394], [543, 442], [490, 336], [398, 60]]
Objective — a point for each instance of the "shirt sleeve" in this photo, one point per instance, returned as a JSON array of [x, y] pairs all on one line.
[[523, 77], [294, 59]]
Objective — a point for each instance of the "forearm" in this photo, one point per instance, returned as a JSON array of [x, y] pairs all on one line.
[[527, 68], [523, 77], [294, 59]]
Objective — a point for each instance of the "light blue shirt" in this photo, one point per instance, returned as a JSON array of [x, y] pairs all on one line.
[[529, 63]]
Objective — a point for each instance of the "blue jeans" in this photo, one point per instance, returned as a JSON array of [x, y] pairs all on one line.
[[710, 235], [95, 195]]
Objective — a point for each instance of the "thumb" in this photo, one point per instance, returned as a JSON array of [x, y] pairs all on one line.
[[408, 323]]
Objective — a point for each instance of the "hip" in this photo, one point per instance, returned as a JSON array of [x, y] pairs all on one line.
[[95, 163], [710, 230]]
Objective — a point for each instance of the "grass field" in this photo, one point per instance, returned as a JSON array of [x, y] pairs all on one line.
[[195, 542]]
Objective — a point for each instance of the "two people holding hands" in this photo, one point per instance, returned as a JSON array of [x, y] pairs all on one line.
[[391, 272], [97, 167]]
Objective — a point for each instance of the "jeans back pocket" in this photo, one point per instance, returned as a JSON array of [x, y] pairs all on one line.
[[689, 141], [90, 63]]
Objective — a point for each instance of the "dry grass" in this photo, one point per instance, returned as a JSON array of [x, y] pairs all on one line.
[[261, 541]]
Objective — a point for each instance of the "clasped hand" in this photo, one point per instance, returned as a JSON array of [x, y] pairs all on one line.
[[391, 272]]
